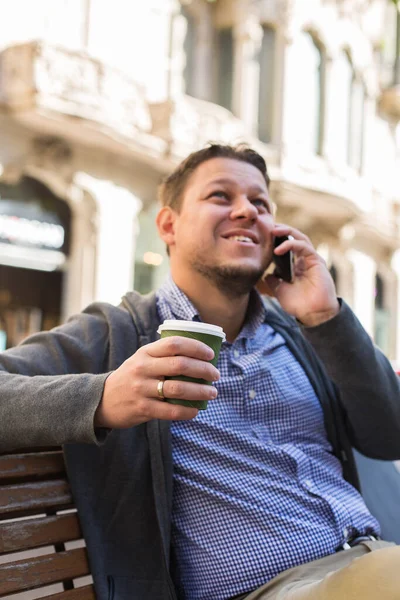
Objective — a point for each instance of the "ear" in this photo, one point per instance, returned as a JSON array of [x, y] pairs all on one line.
[[165, 222]]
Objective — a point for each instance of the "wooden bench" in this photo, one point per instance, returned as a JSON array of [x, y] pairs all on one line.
[[41, 545], [42, 553]]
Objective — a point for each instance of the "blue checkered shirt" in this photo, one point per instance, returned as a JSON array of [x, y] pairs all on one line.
[[256, 487]]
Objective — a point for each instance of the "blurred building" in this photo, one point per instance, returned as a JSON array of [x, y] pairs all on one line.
[[99, 100]]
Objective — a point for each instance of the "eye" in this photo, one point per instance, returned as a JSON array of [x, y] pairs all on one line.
[[261, 203], [219, 194]]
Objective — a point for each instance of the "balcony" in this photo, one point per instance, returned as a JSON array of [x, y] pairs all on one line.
[[59, 91], [187, 124]]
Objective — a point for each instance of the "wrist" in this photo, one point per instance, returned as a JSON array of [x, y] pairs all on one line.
[[317, 318], [99, 418]]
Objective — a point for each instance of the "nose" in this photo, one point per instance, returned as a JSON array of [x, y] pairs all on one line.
[[242, 208]]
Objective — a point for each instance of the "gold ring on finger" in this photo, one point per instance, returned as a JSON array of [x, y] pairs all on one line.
[[160, 389]]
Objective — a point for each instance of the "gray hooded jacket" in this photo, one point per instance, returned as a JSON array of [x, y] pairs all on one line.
[[51, 385]]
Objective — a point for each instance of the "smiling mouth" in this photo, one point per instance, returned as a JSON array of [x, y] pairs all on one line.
[[241, 238]]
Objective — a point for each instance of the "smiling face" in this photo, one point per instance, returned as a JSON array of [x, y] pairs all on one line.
[[223, 230]]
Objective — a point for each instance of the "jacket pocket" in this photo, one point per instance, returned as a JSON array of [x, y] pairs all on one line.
[[122, 587]]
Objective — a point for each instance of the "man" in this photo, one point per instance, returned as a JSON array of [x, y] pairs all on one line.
[[255, 497]]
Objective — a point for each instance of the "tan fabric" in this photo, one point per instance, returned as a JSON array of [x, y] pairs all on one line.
[[369, 571]]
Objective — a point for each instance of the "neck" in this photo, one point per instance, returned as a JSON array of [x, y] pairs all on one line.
[[213, 304]]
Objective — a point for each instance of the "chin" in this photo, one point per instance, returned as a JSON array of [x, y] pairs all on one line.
[[242, 267], [239, 273], [236, 275]]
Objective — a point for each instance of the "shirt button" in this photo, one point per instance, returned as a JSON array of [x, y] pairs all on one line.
[[236, 353], [307, 483], [252, 394]]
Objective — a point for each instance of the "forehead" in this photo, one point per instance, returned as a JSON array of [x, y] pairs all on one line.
[[236, 172]]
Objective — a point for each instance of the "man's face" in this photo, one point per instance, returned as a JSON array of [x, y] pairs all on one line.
[[224, 227]]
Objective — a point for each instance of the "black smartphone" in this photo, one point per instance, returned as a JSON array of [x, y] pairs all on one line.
[[284, 264]]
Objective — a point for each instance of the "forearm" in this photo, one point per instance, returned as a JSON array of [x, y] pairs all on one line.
[[369, 388], [51, 385], [48, 410]]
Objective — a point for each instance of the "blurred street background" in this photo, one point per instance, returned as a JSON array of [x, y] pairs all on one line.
[[99, 100]]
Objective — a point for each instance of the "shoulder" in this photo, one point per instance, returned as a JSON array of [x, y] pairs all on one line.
[[144, 314]]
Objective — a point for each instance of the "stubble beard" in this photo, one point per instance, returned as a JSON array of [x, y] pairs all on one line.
[[233, 281]]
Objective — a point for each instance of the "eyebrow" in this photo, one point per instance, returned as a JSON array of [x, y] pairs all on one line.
[[255, 189]]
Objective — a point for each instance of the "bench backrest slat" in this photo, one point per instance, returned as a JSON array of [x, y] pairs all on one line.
[[81, 593], [28, 466], [34, 536], [35, 533], [35, 572], [27, 498]]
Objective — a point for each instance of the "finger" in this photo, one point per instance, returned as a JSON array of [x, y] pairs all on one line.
[[281, 229], [157, 409], [173, 366], [179, 346], [184, 390], [298, 247]]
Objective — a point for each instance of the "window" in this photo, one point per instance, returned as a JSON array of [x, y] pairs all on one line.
[[189, 47], [144, 277], [334, 274], [342, 98], [382, 316], [356, 124], [309, 92], [350, 111], [225, 45], [151, 264], [387, 51], [266, 88], [379, 293]]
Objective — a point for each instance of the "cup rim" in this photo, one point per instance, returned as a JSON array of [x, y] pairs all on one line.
[[192, 326]]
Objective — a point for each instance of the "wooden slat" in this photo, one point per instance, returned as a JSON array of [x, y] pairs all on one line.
[[31, 466], [27, 498], [34, 533], [30, 450], [42, 570], [82, 593]]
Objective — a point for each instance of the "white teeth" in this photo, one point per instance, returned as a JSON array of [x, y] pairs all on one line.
[[241, 238]]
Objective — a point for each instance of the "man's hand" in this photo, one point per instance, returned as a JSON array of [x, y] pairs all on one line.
[[311, 298], [130, 393]]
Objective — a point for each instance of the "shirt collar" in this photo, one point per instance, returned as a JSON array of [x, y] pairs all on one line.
[[182, 308], [256, 315], [178, 302]]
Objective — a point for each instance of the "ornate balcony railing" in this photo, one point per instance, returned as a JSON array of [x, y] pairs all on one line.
[[46, 78], [187, 123]]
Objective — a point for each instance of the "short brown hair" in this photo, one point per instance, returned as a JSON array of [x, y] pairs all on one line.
[[171, 189]]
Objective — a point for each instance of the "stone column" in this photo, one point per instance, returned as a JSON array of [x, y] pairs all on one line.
[[328, 118], [364, 270], [204, 54], [79, 277], [286, 113], [117, 209], [176, 32], [248, 38]]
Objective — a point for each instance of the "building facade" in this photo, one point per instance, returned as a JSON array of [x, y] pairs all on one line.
[[98, 101]]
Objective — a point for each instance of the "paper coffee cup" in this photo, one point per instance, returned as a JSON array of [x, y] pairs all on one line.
[[212, 335]]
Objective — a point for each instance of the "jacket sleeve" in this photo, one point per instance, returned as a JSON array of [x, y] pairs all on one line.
[[369, 389], [51, 384]]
